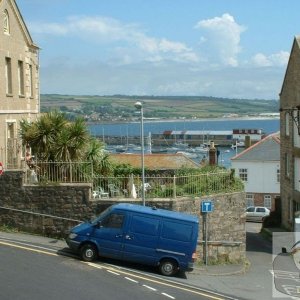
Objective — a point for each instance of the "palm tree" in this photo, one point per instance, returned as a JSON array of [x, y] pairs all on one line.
[[54, 138], [72, 141], [42, 135], [99, 157]]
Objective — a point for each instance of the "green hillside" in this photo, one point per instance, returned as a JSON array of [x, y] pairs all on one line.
[[119, 107]]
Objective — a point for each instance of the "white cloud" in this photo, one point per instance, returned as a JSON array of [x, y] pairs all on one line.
[[279, 59], [109, 31], [120, 58], [223, 38]]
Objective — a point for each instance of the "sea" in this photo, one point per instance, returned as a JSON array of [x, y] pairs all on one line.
[[267, 125]]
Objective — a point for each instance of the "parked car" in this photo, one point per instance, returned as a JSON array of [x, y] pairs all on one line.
[[257, 213], [146, 235]]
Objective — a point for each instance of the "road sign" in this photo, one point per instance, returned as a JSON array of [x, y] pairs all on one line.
[[207, 206], [1, 168]]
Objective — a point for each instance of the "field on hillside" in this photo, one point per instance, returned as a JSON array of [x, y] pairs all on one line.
[[159, 107]]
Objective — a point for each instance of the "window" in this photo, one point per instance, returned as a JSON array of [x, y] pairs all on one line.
[[243, 173], [8, 76], [296, 123], [21, 77], [278, 175], [30, 82], [287, 124], [249, 200], [113, 221], [287, 165], [260, 210], [267, 201], [177, 231], [250, 209], [297, 174], [144, 225], [6, 22]]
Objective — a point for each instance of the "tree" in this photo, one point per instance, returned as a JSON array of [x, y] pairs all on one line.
[[99, 157], [54, 138], [42, 135]]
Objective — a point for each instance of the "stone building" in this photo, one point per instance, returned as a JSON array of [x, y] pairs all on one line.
[[290, 138], [19, 82]]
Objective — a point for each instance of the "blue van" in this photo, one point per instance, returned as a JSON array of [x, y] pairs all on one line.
[[141, 234]]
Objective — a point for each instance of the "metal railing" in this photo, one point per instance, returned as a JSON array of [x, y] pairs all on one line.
[[166, 187], [194, 185], [58, 172]]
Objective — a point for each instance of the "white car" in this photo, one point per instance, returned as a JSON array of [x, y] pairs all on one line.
[[257, 213]]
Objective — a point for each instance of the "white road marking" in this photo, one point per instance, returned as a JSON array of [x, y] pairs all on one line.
[[130, 279], [149, 287], [112, 272], [181, 287], [169, 296]]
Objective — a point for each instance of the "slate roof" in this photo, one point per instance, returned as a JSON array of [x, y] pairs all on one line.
[[155, 161], [268, 149]]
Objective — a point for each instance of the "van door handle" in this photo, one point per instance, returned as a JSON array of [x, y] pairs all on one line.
[[128, 237], [119, 235]]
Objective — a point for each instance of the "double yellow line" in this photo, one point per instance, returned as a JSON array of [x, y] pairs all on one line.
[[159, 282], [28, 249]]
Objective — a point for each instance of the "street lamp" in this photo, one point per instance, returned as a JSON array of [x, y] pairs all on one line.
[[139, 106]]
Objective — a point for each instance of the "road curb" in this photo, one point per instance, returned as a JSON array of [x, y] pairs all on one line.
[[222, 270]]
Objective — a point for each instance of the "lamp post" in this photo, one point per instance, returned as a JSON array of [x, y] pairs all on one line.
[[139, 106]]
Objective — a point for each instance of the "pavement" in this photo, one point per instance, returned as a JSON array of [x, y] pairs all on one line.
[[250, 280]]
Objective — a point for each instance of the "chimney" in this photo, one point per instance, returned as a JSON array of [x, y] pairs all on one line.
[[212, 153], [247, 141]]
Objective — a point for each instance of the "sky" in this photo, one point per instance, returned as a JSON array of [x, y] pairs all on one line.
[[220, 48]]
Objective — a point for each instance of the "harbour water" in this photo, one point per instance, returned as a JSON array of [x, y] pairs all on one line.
[[133, 128], [267, 126]]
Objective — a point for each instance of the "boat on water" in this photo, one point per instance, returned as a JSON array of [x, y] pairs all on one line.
[[203, 148], [159, 150], [188, 154], [120, 149], [237, 145]]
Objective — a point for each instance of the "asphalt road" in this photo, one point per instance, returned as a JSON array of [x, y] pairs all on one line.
[[28, 271], [256, 283]]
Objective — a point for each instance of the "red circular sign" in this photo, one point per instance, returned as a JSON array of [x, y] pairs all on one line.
[[1, 168]]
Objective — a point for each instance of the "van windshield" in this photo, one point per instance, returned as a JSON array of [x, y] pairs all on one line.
[[101, 216]]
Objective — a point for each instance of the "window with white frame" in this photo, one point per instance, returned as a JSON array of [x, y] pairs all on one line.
[[243, 174], [249, 200], [267, 201], [287, 124]]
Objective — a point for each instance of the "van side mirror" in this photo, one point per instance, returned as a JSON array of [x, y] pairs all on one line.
[[283, 250], [98, 224]]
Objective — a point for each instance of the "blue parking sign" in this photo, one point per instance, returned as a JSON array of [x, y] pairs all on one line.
[[207, 206]]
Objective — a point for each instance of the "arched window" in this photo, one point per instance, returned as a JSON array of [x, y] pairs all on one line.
[[6, 22]]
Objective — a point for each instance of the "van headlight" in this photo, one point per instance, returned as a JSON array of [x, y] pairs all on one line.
[[72, 236]]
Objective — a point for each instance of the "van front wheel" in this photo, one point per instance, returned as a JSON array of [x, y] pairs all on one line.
[[88, 252], [168, 267]]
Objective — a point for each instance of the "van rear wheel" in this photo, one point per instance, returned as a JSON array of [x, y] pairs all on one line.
[[88, 252], [168, 267]]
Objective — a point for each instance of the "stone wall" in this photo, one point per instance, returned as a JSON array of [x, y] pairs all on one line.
[[289, 101], [53, 210]]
